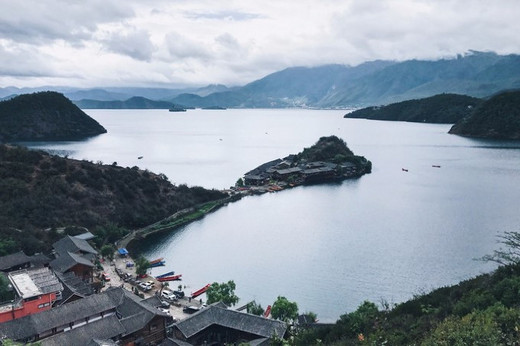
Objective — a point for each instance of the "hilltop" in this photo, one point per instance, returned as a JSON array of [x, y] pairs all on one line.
[[39, 191], [44, 116], [496, 118], [438, 109]]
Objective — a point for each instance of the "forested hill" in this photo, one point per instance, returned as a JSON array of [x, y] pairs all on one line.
[[40, 191], [135, 102], [44, 116], [438, 109], [497, 118]]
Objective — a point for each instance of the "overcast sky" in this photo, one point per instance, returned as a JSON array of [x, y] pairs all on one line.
[[169, 43]]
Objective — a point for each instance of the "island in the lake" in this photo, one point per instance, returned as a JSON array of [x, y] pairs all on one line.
[[45, 116], [328, 160]]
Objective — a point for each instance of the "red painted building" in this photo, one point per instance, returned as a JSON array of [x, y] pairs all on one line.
[[35, 290]]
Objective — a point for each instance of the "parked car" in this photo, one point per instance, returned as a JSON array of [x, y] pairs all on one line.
[[191, 309], [168, 295], [179, 294], [165, 304], [144, 286]]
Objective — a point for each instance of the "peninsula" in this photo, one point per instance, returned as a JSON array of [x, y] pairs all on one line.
[[45, 116], [496, 118], [328, 160]]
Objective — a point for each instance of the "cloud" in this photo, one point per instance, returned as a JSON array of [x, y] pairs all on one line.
[[229, 15], [109, 42], [182, 47], [134, 43], [39, 22]]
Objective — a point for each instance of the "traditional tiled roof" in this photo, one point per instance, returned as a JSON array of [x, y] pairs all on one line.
[[132, 315], [40, 260], [12, 260], [217, 315], [73, 244], [68, 260], [73, 285], [105, 328]]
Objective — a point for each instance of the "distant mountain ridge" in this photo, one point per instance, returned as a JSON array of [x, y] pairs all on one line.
[[378, 82], [477, 74], [44, 116], [135, 102]]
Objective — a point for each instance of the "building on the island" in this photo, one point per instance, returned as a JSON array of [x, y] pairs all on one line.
[[283, 174], [34, 290], [74, 255], [217, 325], [115, 316], [255, 180]]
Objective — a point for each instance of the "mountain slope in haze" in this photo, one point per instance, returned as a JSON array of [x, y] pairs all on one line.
[[496, 118], [476, 74], [44, 116], [438, 109], [135, 102]]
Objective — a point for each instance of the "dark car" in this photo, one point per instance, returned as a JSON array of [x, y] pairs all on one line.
[[179, 294]]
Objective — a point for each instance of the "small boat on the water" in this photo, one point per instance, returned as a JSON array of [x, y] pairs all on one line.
[[165, 274], [156, 260], [404, 169], [169, 278], [200, 291], [436, 166], [157, 264]]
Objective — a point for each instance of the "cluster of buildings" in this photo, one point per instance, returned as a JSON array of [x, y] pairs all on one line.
[[54, 301], [288, 172]]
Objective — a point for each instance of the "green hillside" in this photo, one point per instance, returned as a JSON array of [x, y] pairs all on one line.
[[44, 116], [39, 192], [443, 108], [496, 118]]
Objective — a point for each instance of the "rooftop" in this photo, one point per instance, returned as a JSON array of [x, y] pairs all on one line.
[[34, 282]]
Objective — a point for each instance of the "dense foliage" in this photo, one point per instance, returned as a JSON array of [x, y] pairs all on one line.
[[40, 193], [332, 149], [481, 311], [284, 310], [443, 108], [135, 102], [223, 292], [497, 118], [44, 116]]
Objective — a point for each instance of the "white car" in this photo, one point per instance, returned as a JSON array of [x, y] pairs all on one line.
[[145, 286], [168, 295]]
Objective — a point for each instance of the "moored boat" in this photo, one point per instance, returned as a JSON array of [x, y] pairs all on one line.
[[165, 274], [200, 291], [157, 264], [169, 278], [161, 259]]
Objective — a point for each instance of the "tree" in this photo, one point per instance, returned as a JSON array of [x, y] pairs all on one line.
[[284, 310], [224, 292], [141, 265], [5, 293], [511, 255], [107, 251], [254, 308], [240, 182]]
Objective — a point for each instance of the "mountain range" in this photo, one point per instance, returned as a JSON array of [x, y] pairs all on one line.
[[477, 74]]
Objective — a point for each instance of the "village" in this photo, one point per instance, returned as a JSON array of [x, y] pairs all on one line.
[[288, 172], [76, 297]]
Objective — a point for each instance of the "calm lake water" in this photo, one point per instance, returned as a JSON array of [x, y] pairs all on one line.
[[385, 236]]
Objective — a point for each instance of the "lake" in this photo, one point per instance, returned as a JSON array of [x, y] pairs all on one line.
[[385, 236]]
